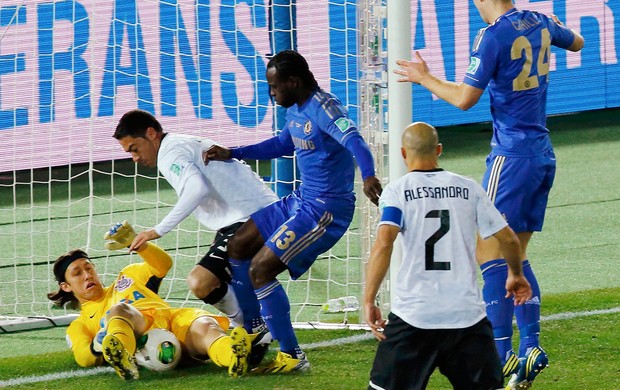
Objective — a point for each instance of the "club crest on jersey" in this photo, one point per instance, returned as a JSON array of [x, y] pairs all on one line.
[[308, 128], [343, 124], [474, 63], [176, 168], [123, 283]]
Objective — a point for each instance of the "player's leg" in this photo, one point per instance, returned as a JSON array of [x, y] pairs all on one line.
[[469, 358], [502, 187], [124, 323], [209, 279], [406, 358], [533, 357], [311, 231], [203, 336], [242, 246]]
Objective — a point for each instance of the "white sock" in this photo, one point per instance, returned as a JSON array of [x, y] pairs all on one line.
[[230, 306]]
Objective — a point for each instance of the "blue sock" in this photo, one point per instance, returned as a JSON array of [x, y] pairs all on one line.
[[528, 314], [499, 308], [276, 311], [242, 285]]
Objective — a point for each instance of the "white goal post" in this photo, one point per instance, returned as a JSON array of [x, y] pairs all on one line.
[[69, 70]]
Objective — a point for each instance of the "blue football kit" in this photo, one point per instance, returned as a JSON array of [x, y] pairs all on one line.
[[512, 57], [309, 221]]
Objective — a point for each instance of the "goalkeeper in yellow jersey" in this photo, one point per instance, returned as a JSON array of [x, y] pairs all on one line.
[[112, 318]]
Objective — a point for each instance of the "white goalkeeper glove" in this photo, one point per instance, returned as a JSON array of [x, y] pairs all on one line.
[[119, 236]]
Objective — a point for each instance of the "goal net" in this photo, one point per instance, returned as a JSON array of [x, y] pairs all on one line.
[[69, 70]]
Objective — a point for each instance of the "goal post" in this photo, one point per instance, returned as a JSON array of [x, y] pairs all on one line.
[[69, 70]]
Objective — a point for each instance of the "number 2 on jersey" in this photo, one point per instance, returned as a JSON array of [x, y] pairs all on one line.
[[429, 245], [522, 46]]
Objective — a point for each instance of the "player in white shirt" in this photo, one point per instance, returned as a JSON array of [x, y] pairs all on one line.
[[221, 195], [437, 315]]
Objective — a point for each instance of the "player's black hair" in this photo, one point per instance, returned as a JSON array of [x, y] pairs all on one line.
[[289, 63], [61, 297], [134, 124]]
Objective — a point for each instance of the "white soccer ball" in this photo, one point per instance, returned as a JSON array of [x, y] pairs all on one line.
[[158, 350]]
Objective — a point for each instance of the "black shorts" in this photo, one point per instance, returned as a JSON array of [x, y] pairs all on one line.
[[216, 259], [409, 355]]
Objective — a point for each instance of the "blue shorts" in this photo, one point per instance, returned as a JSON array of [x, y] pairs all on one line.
[[299, 230], [519, 187]]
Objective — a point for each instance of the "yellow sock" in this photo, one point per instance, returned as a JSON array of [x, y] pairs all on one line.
[[220, 351], [122, 329]]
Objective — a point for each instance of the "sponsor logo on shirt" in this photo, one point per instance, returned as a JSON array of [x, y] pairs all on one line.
[[343, 124], [176, 168], [474, 63], [308, 128], [123, 283]]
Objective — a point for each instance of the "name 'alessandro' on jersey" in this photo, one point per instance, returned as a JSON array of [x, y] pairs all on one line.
[[436, 193]]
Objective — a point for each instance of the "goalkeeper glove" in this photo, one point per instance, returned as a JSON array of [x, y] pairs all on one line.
[[119, 236]]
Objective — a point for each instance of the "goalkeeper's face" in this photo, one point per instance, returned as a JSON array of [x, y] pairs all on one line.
[[82, 280], [143, 150]]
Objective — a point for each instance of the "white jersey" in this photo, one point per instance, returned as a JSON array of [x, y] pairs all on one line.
[[438, 213], [219, 194]]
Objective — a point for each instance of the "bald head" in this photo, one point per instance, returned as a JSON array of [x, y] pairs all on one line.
[[420, 138], [420, 146]]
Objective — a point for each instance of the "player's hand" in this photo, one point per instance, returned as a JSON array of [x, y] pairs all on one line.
[[519, 288], [557, 20], [373, 189], [375, 321], [142, 238], [216, 152], [119, 236], [412, 71]]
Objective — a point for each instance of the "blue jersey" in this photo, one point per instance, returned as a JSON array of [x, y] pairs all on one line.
[[511, 56], [320, 129]]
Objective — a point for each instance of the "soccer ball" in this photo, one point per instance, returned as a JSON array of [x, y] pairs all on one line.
[[158, 350]]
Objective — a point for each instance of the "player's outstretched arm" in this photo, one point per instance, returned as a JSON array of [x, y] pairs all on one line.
[[142, 238], [460, 95]]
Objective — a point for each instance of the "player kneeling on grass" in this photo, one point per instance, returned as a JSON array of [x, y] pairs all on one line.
[[112, 318]]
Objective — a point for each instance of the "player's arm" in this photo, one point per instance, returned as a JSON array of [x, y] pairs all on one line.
[[273, 147], [158, 260], [358, 147], [81, 344], [578, 40], [460, 95], [376, 270], [122, 235]]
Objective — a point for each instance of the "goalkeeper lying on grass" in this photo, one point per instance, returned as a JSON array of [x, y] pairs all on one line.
[[112, 318]]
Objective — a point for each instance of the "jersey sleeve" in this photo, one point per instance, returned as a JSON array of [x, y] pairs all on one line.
[[391, 208], [273, 147], [490, 221], [561, 36], [333, 119], [483, 60], [80, 339], [191, 189]]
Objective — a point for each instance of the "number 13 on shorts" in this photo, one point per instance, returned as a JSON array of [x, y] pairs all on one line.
[[283, 238]]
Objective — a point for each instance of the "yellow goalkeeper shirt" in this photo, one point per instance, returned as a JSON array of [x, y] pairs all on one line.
[[137, 285]]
